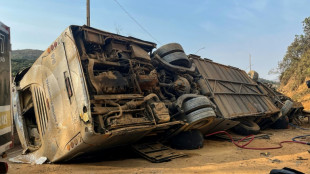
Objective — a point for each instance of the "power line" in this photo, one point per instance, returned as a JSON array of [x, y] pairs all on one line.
[[129, 15], [200, 49]]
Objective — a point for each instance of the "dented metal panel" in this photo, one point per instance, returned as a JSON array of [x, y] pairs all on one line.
[[234, 93]]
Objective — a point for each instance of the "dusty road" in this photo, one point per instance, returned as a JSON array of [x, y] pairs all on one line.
[[217, 156]]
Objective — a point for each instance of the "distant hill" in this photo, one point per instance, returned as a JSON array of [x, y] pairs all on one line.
[[26, 54], [23, 58]]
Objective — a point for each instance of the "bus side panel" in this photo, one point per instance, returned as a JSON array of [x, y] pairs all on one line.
[[5, 90]]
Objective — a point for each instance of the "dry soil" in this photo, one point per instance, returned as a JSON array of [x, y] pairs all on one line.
[[217, 156]]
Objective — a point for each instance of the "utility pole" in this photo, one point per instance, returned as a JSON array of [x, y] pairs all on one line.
[[88, 13], [250, 63]]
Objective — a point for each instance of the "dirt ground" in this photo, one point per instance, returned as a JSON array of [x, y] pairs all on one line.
[[217, 156]]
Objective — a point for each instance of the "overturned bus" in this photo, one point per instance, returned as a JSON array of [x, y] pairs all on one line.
[[94, 90]]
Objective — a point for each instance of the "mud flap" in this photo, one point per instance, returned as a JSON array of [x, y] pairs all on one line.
[[157, 152]]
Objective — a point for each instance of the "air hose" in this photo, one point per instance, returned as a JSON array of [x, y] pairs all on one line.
[[300, 136], [293, 125], [244, 146]]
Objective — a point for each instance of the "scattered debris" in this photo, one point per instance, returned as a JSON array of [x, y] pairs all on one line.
[[156, 152], [265, 154], [41, 160], [301, 158], [31, 158], [275, 160]]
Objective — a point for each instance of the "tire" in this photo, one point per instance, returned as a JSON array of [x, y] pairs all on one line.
[[246, 127], [200, 118], [199, 114], [286, 107], [281, 123], [196, 103], [177, 58], [165, 49], [188, 140]]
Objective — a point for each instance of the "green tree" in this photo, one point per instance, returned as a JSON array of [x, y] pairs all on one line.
[[291, 63]]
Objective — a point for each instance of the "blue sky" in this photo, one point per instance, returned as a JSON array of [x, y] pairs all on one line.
[[226, 31]]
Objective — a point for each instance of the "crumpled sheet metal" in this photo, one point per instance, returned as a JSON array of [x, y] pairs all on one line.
[[30, 158], [18, 121]]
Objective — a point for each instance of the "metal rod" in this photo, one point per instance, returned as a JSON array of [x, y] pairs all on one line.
[[235, 82], [250, 63], [88, 13]]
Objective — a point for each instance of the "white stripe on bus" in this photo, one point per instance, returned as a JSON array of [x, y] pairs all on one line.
[[5, 108], [5, 130]]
